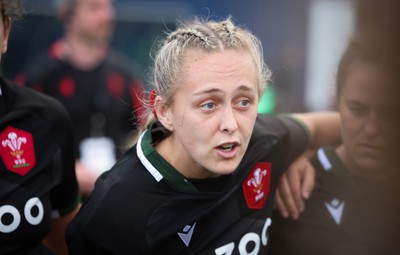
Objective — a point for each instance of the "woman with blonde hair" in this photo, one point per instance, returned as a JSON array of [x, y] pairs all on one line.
[[202, 176]]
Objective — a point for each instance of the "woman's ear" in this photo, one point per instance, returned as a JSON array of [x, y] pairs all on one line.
[[6, 34], [163, 112]]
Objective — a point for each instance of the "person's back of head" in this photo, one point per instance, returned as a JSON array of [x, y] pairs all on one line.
[[10, 10]]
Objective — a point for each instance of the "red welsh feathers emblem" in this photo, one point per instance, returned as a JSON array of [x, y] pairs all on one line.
[[17, 150], [257, 184]]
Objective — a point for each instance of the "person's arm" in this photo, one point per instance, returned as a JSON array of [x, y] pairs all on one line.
[[55, 240], [324, 127], [298, 181], [64, 197]]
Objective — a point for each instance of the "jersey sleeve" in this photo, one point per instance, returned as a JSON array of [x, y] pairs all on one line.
[[65, 196], [287, 140], [283, 133], [299, 136]]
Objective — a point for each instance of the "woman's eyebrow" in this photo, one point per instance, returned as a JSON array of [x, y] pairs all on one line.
[[245, 88], [217, 90], [207, 91]]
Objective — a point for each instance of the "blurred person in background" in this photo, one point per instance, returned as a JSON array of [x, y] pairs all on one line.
[[39, 192], [97, 85], [355, 206]]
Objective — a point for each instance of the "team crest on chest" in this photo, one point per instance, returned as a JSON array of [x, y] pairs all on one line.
[[257, 184], [17, 150]]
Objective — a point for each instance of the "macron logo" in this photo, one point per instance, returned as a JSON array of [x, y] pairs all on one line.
[[335, 208], [186, 234]]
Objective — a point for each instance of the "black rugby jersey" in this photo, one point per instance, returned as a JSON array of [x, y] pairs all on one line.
[[144, 206], [344, 215], [105, 101], [37, 174]]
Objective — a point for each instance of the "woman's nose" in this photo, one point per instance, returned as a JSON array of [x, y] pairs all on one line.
[[228, 121]]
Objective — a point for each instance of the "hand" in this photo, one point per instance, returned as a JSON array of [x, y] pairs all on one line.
[[295, 186]]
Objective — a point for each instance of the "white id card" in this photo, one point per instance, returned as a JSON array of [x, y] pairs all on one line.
[[98, 153]]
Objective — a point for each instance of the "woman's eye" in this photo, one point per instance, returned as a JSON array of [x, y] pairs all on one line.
[[357, 110], [208, 106], [244, 103]]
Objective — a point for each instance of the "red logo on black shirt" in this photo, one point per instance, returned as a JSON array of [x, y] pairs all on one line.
[[115, 83], [256, 185], [17, 150], [67, 87]]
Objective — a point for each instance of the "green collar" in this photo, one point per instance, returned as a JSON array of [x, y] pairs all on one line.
[[157, 166]]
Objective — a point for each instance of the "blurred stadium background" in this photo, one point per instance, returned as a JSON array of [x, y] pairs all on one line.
[[302, 39]]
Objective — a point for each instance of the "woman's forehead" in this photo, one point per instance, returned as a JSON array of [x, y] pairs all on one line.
[[371, 82], [227, 58]]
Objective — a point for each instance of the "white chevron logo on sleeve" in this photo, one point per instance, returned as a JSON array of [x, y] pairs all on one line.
[[335, 208], [186, 234]]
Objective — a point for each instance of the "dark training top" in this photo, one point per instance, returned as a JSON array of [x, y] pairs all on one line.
[[145, 206], [344, 215], [37, 176], [102, 102]]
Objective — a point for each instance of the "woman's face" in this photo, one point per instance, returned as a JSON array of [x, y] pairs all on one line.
[[213, 113], [369, 108]]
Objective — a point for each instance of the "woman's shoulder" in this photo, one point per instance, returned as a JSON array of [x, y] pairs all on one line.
[[123, 199], [129, 176], [43, 107], [280, 126]]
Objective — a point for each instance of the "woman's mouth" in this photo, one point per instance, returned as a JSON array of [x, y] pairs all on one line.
[[227, 147], [227, 150]]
